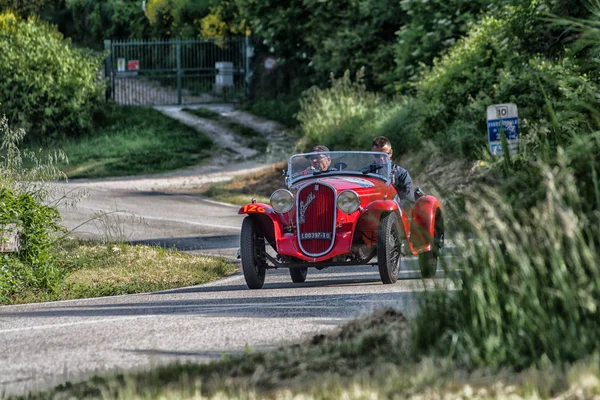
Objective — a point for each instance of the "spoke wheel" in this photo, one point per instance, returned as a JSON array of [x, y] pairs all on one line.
[[252, 251], [389, 248], [298, 274], [428, 260]]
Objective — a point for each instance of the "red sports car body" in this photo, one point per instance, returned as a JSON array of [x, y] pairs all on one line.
[[345, 212]]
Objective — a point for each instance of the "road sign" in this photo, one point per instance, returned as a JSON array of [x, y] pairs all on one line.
[[133, 65], [121, 65], [503, 117], [270, 63]]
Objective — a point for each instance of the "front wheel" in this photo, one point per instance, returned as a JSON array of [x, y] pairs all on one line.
[[252, 252], [298, 274], [388, 248]]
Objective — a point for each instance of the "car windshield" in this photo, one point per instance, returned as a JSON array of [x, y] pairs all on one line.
[[308, 165]]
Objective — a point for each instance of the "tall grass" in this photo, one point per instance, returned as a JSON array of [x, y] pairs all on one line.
[[529, 284]]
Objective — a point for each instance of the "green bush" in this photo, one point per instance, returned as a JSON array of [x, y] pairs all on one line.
[[24, 198], [485, 68], [94, 21], [283, 109], [47, 87], [327, 37], [339, 116], [432, 28], [528, 288]]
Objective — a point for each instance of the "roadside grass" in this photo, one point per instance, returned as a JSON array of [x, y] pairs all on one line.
[[252, 138], [133, 141], [367, 358], [242, 189], [93, 269], [283, 109]]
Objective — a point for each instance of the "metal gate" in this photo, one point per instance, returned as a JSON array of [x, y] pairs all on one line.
[[177, 71]]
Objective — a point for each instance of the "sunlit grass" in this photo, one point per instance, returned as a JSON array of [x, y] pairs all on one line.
[[100, 269], [133, 141]]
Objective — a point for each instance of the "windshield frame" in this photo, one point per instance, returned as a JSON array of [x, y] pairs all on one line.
[[291, 181]]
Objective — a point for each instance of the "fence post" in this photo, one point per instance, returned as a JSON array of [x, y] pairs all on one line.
[[179, 72], [108, 70], [248, 75]]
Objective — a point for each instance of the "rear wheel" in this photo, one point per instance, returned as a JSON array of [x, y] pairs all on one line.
[[388, 248], [428, 260], [298, 274], [252, 252]]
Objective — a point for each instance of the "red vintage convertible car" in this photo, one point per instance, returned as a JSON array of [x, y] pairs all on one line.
[[342, 211]]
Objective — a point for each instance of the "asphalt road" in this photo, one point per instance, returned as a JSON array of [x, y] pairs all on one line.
[[45, 344]]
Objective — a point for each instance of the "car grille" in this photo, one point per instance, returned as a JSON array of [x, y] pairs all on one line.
[[316, 213]]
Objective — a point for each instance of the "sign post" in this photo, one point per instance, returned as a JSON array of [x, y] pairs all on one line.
[[503, 118]]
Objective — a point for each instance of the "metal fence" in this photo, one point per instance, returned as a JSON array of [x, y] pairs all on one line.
[[177, 71]]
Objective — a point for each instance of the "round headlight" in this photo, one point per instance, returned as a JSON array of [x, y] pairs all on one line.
[[348, 201], [282, 201]]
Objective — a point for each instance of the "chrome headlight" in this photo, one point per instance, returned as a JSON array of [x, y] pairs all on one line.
[[348, 201], [282, 200]]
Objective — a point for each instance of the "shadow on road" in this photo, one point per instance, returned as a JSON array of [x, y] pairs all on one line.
[[301, 306], [194, 243]]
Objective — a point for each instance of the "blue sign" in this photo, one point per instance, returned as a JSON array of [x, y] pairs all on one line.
[[510, 126]]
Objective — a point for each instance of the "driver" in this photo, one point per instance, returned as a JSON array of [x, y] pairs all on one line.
[[402, 181], [319, 162]]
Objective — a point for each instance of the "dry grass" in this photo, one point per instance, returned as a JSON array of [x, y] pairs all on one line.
[[242, 189]]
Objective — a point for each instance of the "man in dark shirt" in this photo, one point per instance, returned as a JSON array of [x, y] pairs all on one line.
[[402, 181]]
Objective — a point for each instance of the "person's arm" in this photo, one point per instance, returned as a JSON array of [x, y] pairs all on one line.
[[404, 184]]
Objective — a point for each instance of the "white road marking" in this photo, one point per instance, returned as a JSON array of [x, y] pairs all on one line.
[[183, 221]]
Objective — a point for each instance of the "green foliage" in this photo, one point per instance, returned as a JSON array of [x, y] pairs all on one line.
[[132, 141], [283, 109], [337, 117], [47, 86], [24, 198], [95, 21], [431, 29], [25, 8], [529, 284], [176, 18], [484, 69], [327, 36]]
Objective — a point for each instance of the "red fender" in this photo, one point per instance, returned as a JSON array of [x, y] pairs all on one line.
[[264, 213], [382, 205], [423, 223]]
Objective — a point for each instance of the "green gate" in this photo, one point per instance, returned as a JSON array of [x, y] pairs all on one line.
[[178, 71]]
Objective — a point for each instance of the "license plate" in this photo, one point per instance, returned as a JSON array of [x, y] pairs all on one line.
[[315, 235]]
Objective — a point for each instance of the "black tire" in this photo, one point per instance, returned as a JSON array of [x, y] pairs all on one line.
[[298, 274], [252, 252], [389, 253], [428, 261]]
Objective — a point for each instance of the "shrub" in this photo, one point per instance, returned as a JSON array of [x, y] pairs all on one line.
[[484, 68], [283, 109], [47, 86], [94, 21], [529, 282], [176, 18], [24, 198], [339, 116], [432, 28]]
